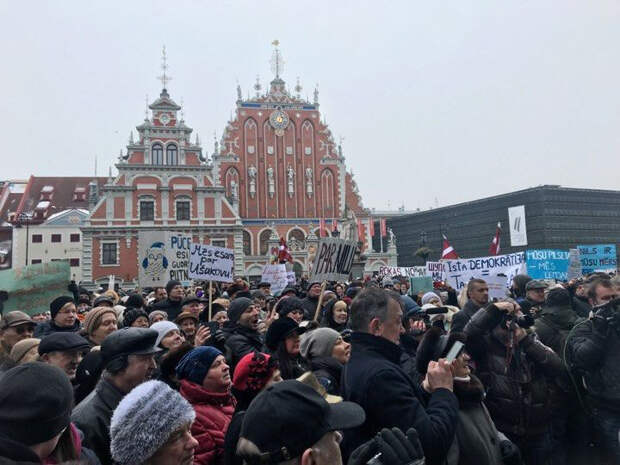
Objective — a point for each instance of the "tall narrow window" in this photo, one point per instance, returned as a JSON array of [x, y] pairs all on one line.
[[147, 210], [108, 253], [157, 154], [171, 155], [183, 207]]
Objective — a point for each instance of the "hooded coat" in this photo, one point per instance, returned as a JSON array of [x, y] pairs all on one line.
[[328, 318], [213, 414]]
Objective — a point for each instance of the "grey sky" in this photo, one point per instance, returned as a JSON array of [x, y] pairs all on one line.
[[448, 100]]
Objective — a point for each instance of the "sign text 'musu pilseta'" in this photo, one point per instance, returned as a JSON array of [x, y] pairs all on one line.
[[333, 259]]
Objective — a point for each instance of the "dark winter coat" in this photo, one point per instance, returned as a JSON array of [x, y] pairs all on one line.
[[409, 345], [553, 326], [581, 306], [171, 307], [477, 441], [515, 376], [374, 380], [213, 414], [240, 342], [16, 453], [328, 371], [92, 417], [462, 317], [310, 304], [49, 327]]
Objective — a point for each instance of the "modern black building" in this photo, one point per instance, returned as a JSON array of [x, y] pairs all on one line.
[[556, 218]]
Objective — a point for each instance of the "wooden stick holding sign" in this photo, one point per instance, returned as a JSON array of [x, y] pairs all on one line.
[[320, 302], [210, 298]]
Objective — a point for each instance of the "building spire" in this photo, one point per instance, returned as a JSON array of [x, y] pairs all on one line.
[[316, 94], [298, 88], [277, 62], [164, 78], [257, 86]]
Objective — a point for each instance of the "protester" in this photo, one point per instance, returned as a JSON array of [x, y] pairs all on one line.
[[282, 340], [104, 301], [311, 300], [517, 287], [291, 307], [98, 324], [168, 335], [243, 330], [534, 298], [221, 317], [156, 316], [25, 351], [205, 383], [191, 304], [336, 315], [64, 350], [173, 303], [188, 324], [477, 297], [327, 353], [160, 294], [414, 329], [151, 425], [63, 317], [128, 360], [135, 318], [374, 380], [14, 327]]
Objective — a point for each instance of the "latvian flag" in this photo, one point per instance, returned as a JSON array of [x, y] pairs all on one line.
[[448, 251], [495, 243]]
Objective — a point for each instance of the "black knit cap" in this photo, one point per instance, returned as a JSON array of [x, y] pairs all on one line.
[[279, 330], [58, 303], [172, 283], [132, 314], [290, 304], [35, 402], [237, 307]]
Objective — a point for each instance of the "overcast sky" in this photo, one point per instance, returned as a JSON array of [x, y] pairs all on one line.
[[437, 101]]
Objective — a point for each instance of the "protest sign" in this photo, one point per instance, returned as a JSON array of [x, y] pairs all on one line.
[[600, 257], [497, 286], [333, 259], [291, 278], [547, 264], [420, 284], [277, 276], [162, 256], [574, 264], [211, 263], [460, 271], [436, 270], [407, 271], [32, 288]]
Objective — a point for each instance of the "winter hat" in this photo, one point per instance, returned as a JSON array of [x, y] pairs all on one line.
[[172, 283], [435, 345], [144, 420], [520, 281], [318, 343], [58, 303], [93, 318], [253, 371], [163, 328], [29, 414], [558, 297], [426, 298], [22, 347], [134, 301], [387, 282], [195, 364], [132, 314], [288, 305], [237, 307], [280, 330], [154, 313]]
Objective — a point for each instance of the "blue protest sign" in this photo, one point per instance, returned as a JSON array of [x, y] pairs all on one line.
[[547, 264], [600, 257]]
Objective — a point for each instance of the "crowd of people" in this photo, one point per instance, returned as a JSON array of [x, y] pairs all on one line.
[[323, 373]]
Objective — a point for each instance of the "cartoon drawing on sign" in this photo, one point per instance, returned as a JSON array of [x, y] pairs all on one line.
[[155, 262]]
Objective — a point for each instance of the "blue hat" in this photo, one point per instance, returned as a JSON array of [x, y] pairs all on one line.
[[195, 364]]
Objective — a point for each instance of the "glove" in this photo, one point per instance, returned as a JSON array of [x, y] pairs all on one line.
[[219, 336], [391, 447], [511, 454]]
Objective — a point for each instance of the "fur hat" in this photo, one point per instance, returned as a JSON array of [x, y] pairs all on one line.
[[144, 420], [93, 318], [426, 298], [132, 314], [435, 345]]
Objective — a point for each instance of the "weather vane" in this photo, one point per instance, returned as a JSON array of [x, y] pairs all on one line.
[[277, 62], [164, 78]]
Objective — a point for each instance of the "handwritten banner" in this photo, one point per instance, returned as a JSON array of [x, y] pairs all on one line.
[[277, 276], [436, 270], [407, 271], [600, 257], [460, 271], [333, 259], [163, 256], [547, 263], [211, 263]]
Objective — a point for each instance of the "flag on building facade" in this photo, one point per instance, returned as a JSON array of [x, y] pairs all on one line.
[[334, 224], [448, 251], [495, 243], [383, 226]]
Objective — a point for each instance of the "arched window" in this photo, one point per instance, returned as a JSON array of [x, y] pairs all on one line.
[[171, 155], [263, 241], [247, 243], [157, 154]]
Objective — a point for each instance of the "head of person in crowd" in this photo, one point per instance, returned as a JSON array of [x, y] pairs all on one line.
[[64, 312], [128, 357], [291, 307], [25, 351], [112, 294], [103, 301], [84, 303], [191, 304], [387, 283], [135, 300], [265, 288], [282, 340], [312, 426], [236, 288], [174, 290], [378, 312], [535, 291], [14, 327], [35, 408], [328, 296], [188, 324], [339, 290], [314, 289], [431, 298], [135, 317], [160, 293], [168, 364], [40, 317], [478, 292], [517, 287], [244, 313], [254, 373], [169, 335], [322, 343], [151, 425], [220, 316], [99, 323], [259, 299], [289, 292], [336, 315], [156, 316], [206, 367], [600, 292], [63, 350], [223, 302]]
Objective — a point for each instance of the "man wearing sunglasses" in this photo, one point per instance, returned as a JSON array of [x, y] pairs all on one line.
[[14, 327]]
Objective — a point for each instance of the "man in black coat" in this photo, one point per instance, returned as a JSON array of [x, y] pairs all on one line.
[[242, 328], [173, 305], [374, 380], [478, 297], [311, 300]]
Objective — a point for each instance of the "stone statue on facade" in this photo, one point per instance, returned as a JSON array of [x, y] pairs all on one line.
[[290, 174], [252, 184], [270, 182], [309, 182]]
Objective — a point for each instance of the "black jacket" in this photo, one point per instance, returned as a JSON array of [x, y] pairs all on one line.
[[92, 416], [374, 380], [328, 371], [515, 377], [409, 345], [462, 317], [581, 306], [16, 453], [49, 327], [310, 304], [171, 307], [242, 341]]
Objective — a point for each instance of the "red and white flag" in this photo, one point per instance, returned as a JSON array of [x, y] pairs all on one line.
[[383, 226], [495, 243], [334, 224], [360, 230], [322, 228], [371, 227], [448, 251]]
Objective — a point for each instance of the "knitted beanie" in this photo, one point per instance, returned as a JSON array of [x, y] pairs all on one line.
[[58, 303], [195, 364], [237, 307], [22, 347], [426, 298], [144, 420], [163, 328], [93, 318], [318, 343], [154, 313], [134, 301], [171, 284]]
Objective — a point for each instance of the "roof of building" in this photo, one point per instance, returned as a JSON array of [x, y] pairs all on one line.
[[11, 193]]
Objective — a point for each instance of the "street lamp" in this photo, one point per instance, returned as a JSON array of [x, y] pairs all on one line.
[[25, 218]]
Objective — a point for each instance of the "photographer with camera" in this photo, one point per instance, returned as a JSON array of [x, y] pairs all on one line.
[[593, 351], [514, 366]]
